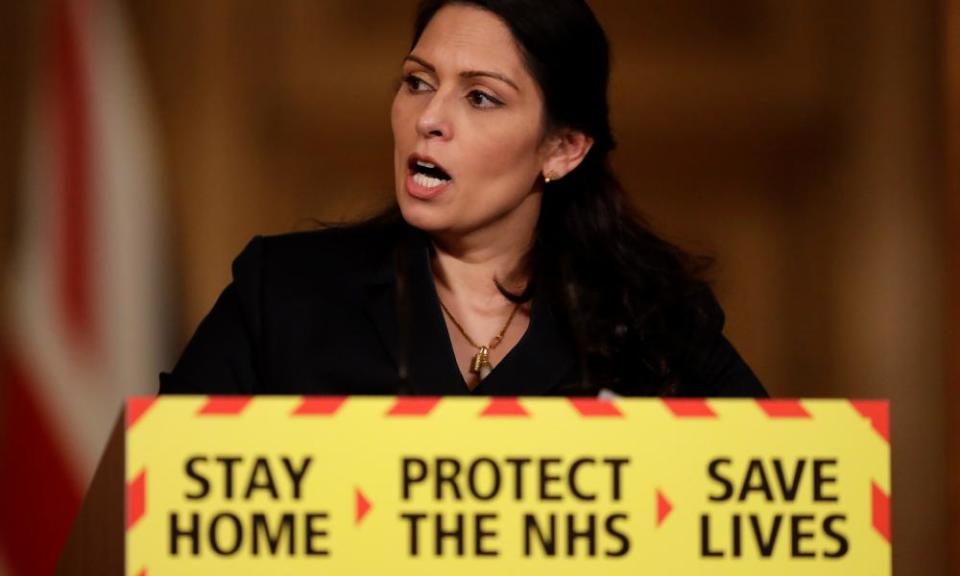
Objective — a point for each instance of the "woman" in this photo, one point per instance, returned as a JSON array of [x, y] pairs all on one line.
[[509, 265]]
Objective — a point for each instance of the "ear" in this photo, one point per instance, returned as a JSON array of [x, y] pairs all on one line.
[[564, 152]]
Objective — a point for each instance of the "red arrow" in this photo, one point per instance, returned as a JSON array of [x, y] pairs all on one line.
[[664, 507], [363, 506]]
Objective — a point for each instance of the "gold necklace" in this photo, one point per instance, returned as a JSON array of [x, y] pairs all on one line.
[[480, 364]]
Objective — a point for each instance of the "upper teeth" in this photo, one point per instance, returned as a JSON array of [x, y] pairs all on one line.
[[425, 164]]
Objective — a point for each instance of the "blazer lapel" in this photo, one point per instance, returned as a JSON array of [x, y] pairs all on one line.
[[404, 310], [542, 363], [380, 309]]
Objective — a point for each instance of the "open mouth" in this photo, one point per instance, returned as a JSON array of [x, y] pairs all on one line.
[[428, 174]]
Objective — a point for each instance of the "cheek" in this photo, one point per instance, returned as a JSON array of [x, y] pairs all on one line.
[[507, 152], [403, 116], [396, 119], [404, 135]]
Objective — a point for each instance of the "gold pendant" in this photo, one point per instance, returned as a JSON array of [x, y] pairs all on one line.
[[481, 362]]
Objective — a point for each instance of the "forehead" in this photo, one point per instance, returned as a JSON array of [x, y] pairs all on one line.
[[470, 38]]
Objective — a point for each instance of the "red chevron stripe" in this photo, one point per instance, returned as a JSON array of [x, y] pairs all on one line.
[[137, 406], [320, 406], [689, 407], [783, 408], [136, 499], [413, 405], [881, 511], [878, 412], [594, 407], [225, 405], [504, 406]]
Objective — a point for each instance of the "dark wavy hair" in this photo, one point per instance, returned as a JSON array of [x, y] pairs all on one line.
[[628, 298]]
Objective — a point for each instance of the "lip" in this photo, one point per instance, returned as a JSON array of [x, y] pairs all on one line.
[[418, 191]]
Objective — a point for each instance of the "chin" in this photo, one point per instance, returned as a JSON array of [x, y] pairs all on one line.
[[422, 215]]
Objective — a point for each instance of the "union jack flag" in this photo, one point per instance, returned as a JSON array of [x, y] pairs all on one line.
[[84, 294]]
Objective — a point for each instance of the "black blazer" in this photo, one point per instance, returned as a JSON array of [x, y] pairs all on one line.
[[317, 313]]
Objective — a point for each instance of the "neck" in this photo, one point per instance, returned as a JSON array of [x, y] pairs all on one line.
[[468, 267]]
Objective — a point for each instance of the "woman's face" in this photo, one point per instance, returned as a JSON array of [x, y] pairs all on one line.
[[468, 126]]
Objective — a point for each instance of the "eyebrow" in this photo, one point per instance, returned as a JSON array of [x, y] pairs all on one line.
[[466, 73]]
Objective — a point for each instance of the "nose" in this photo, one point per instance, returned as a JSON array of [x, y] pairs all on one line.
[[434, 121]]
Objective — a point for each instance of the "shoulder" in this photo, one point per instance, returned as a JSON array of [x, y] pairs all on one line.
[[709, 365], [341, 255]]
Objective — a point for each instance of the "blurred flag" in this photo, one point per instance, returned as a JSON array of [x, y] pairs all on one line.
[[85, 296]]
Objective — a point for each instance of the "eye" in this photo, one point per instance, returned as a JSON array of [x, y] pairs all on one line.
[[480, 99], [415, 84]]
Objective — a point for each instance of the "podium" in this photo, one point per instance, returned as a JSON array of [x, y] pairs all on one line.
[[96, 542], [422, 485]]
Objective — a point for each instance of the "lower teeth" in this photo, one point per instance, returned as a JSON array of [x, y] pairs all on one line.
[[427, 181]]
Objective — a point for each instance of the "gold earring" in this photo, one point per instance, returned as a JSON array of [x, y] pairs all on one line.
[[549, 177]]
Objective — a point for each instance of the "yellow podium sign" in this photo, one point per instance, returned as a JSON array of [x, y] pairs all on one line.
[[431, 486]]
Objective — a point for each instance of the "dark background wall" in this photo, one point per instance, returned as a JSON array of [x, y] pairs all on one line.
[[951, 84]]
